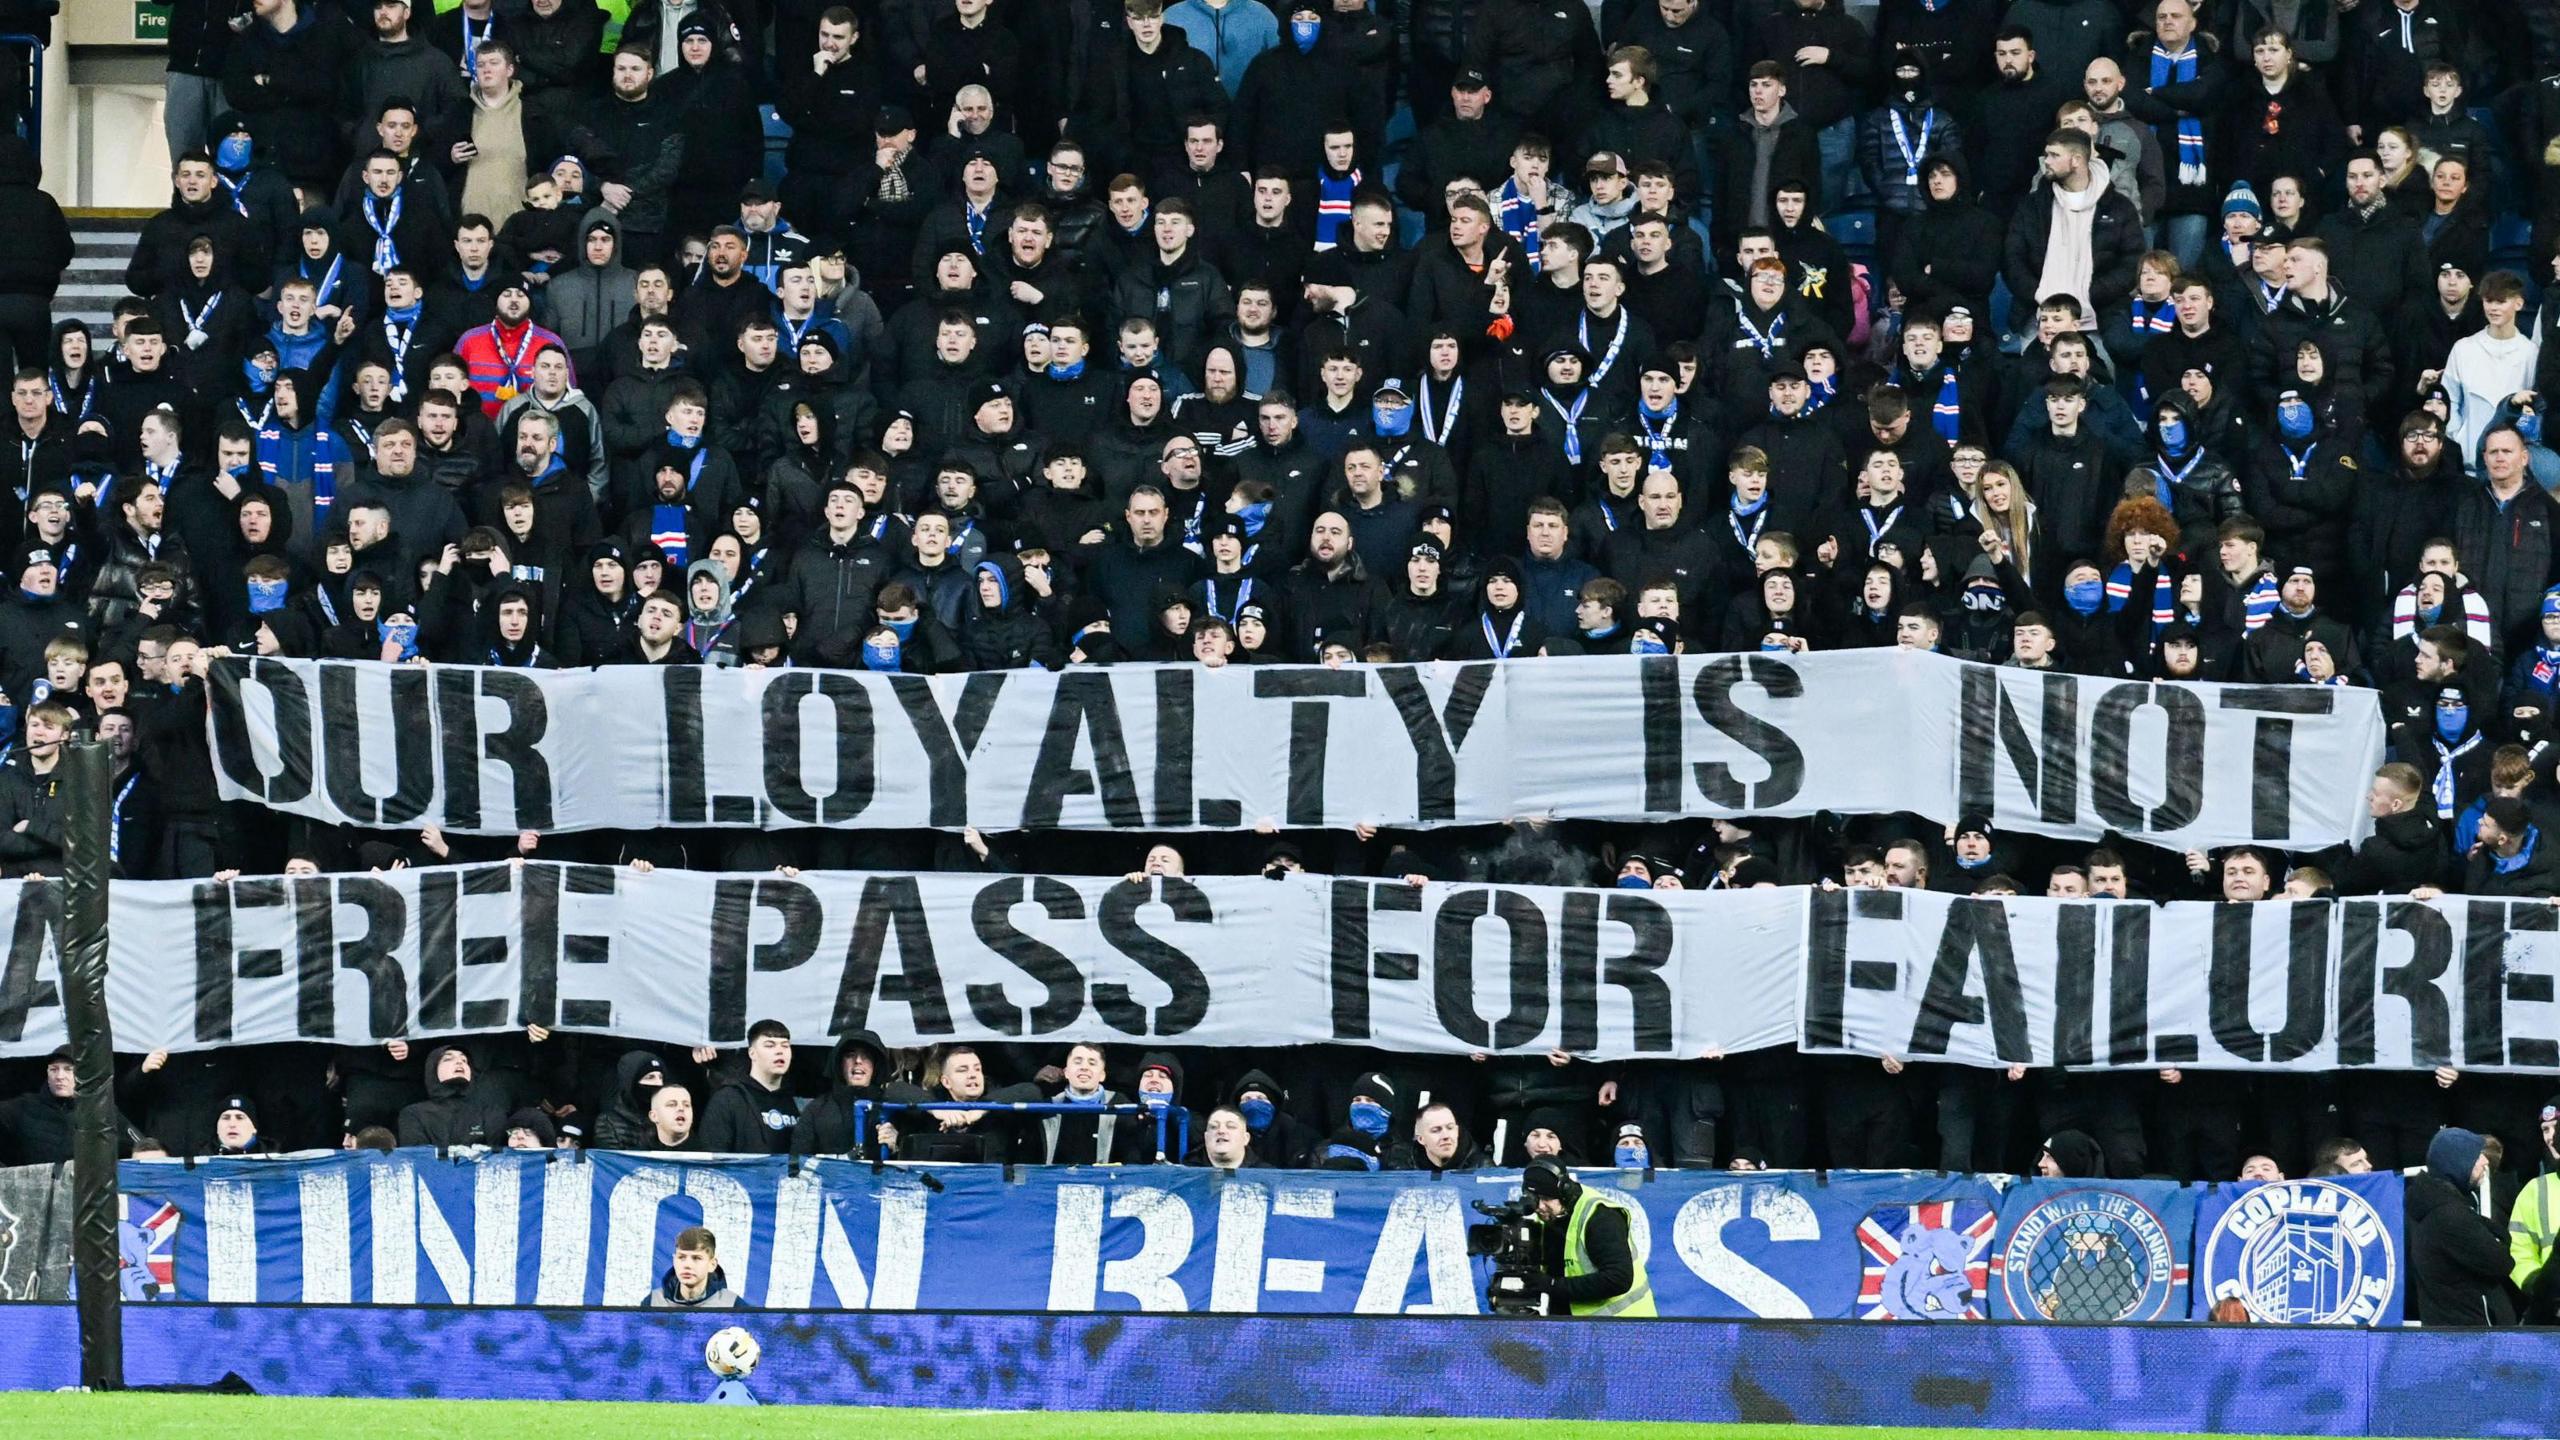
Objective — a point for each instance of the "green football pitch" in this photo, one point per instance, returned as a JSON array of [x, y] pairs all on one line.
[[223, 1417]]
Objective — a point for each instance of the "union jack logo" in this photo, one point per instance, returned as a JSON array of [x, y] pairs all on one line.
[[147, 1246], [1926, 1262]]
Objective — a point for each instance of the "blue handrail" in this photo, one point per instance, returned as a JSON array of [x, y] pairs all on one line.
[[1161, 1113]]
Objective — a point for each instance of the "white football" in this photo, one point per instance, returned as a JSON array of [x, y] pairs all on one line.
[[732, 1353]]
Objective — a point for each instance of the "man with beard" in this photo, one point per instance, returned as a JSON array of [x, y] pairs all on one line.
[[500, 354]]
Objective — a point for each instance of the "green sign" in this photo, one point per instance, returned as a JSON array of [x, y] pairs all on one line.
[[150, 21]]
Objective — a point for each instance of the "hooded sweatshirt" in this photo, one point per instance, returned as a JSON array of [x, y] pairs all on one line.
[[584, 302], [454, 1112]]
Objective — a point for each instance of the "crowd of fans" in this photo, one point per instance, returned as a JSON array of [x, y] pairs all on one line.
[[2140, 341]]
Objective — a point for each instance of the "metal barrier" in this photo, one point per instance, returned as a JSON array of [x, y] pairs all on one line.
[[1160, 1113]]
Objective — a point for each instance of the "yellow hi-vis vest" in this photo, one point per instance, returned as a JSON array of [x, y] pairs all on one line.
[[1638, 1300]]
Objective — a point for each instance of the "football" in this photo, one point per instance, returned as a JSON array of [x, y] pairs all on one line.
[[732, 1353]]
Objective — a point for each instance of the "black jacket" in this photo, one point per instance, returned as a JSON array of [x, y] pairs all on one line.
[[455, 1112], [2457, 1259], [35, 1129], [286, 85], [744, 1118], [2115, 247], [2404, 851], [39, 248], [2380, 259]]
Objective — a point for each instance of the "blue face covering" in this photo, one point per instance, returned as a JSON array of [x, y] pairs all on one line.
[[1068, 372], [1253, 515], [1154, 1099], [232, 156], [2431, 613], [402, 629], [905, 629], [1391, 420], [266, 596], [1368, 1117], [1304, 32], [881, 655], [2294, 419], [2173, 433], [2084, 595], [1634, 882], [1645, 642], [1257, 1112], [1630, 1156], [2452, 720], [680, 440]]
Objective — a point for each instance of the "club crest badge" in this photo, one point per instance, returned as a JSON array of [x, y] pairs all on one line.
[[2302, 1252], [2093, 1255]]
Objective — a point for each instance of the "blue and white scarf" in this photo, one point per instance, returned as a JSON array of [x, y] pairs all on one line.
[[2180, 69]]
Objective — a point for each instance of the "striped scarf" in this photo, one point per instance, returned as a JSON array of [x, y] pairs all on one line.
[[1518, 216], [2164, 595], [2180, 69], [1946, 415], [2259, 602], [2473, 614], [1333, 205], [2153, 317]]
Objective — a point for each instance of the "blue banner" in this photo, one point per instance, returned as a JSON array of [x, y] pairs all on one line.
[[2303, 1252], [2102, 1251], [516, 1228]]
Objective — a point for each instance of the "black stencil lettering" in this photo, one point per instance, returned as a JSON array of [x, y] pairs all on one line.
[[1347, 975], [1717, 680], [1310, 725], [2129, 992], [581, 949], [1826, 970], [892, 909], [212, 905], [990, 915], [291, 702], [2180, 767], [1659, 675], [947, 745], [1974, 927], [413, 747], [1453, 968], [439, 966], [1083, 706], [33, 934], [1176, 721], [688, 786], [458, 730], [374, 954], [857, 748], [2271, 748], [2530, 987], [2075, 984], [537, 950], [1638, 971], [2417, 982], [518, 744], [735, 903], [1176, 970], [1437, 736], [2229, 975]]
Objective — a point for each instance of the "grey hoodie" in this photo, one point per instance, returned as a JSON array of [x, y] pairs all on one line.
[[586, 301]]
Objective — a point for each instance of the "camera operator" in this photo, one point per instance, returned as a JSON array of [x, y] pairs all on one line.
[[1593, 1251]]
